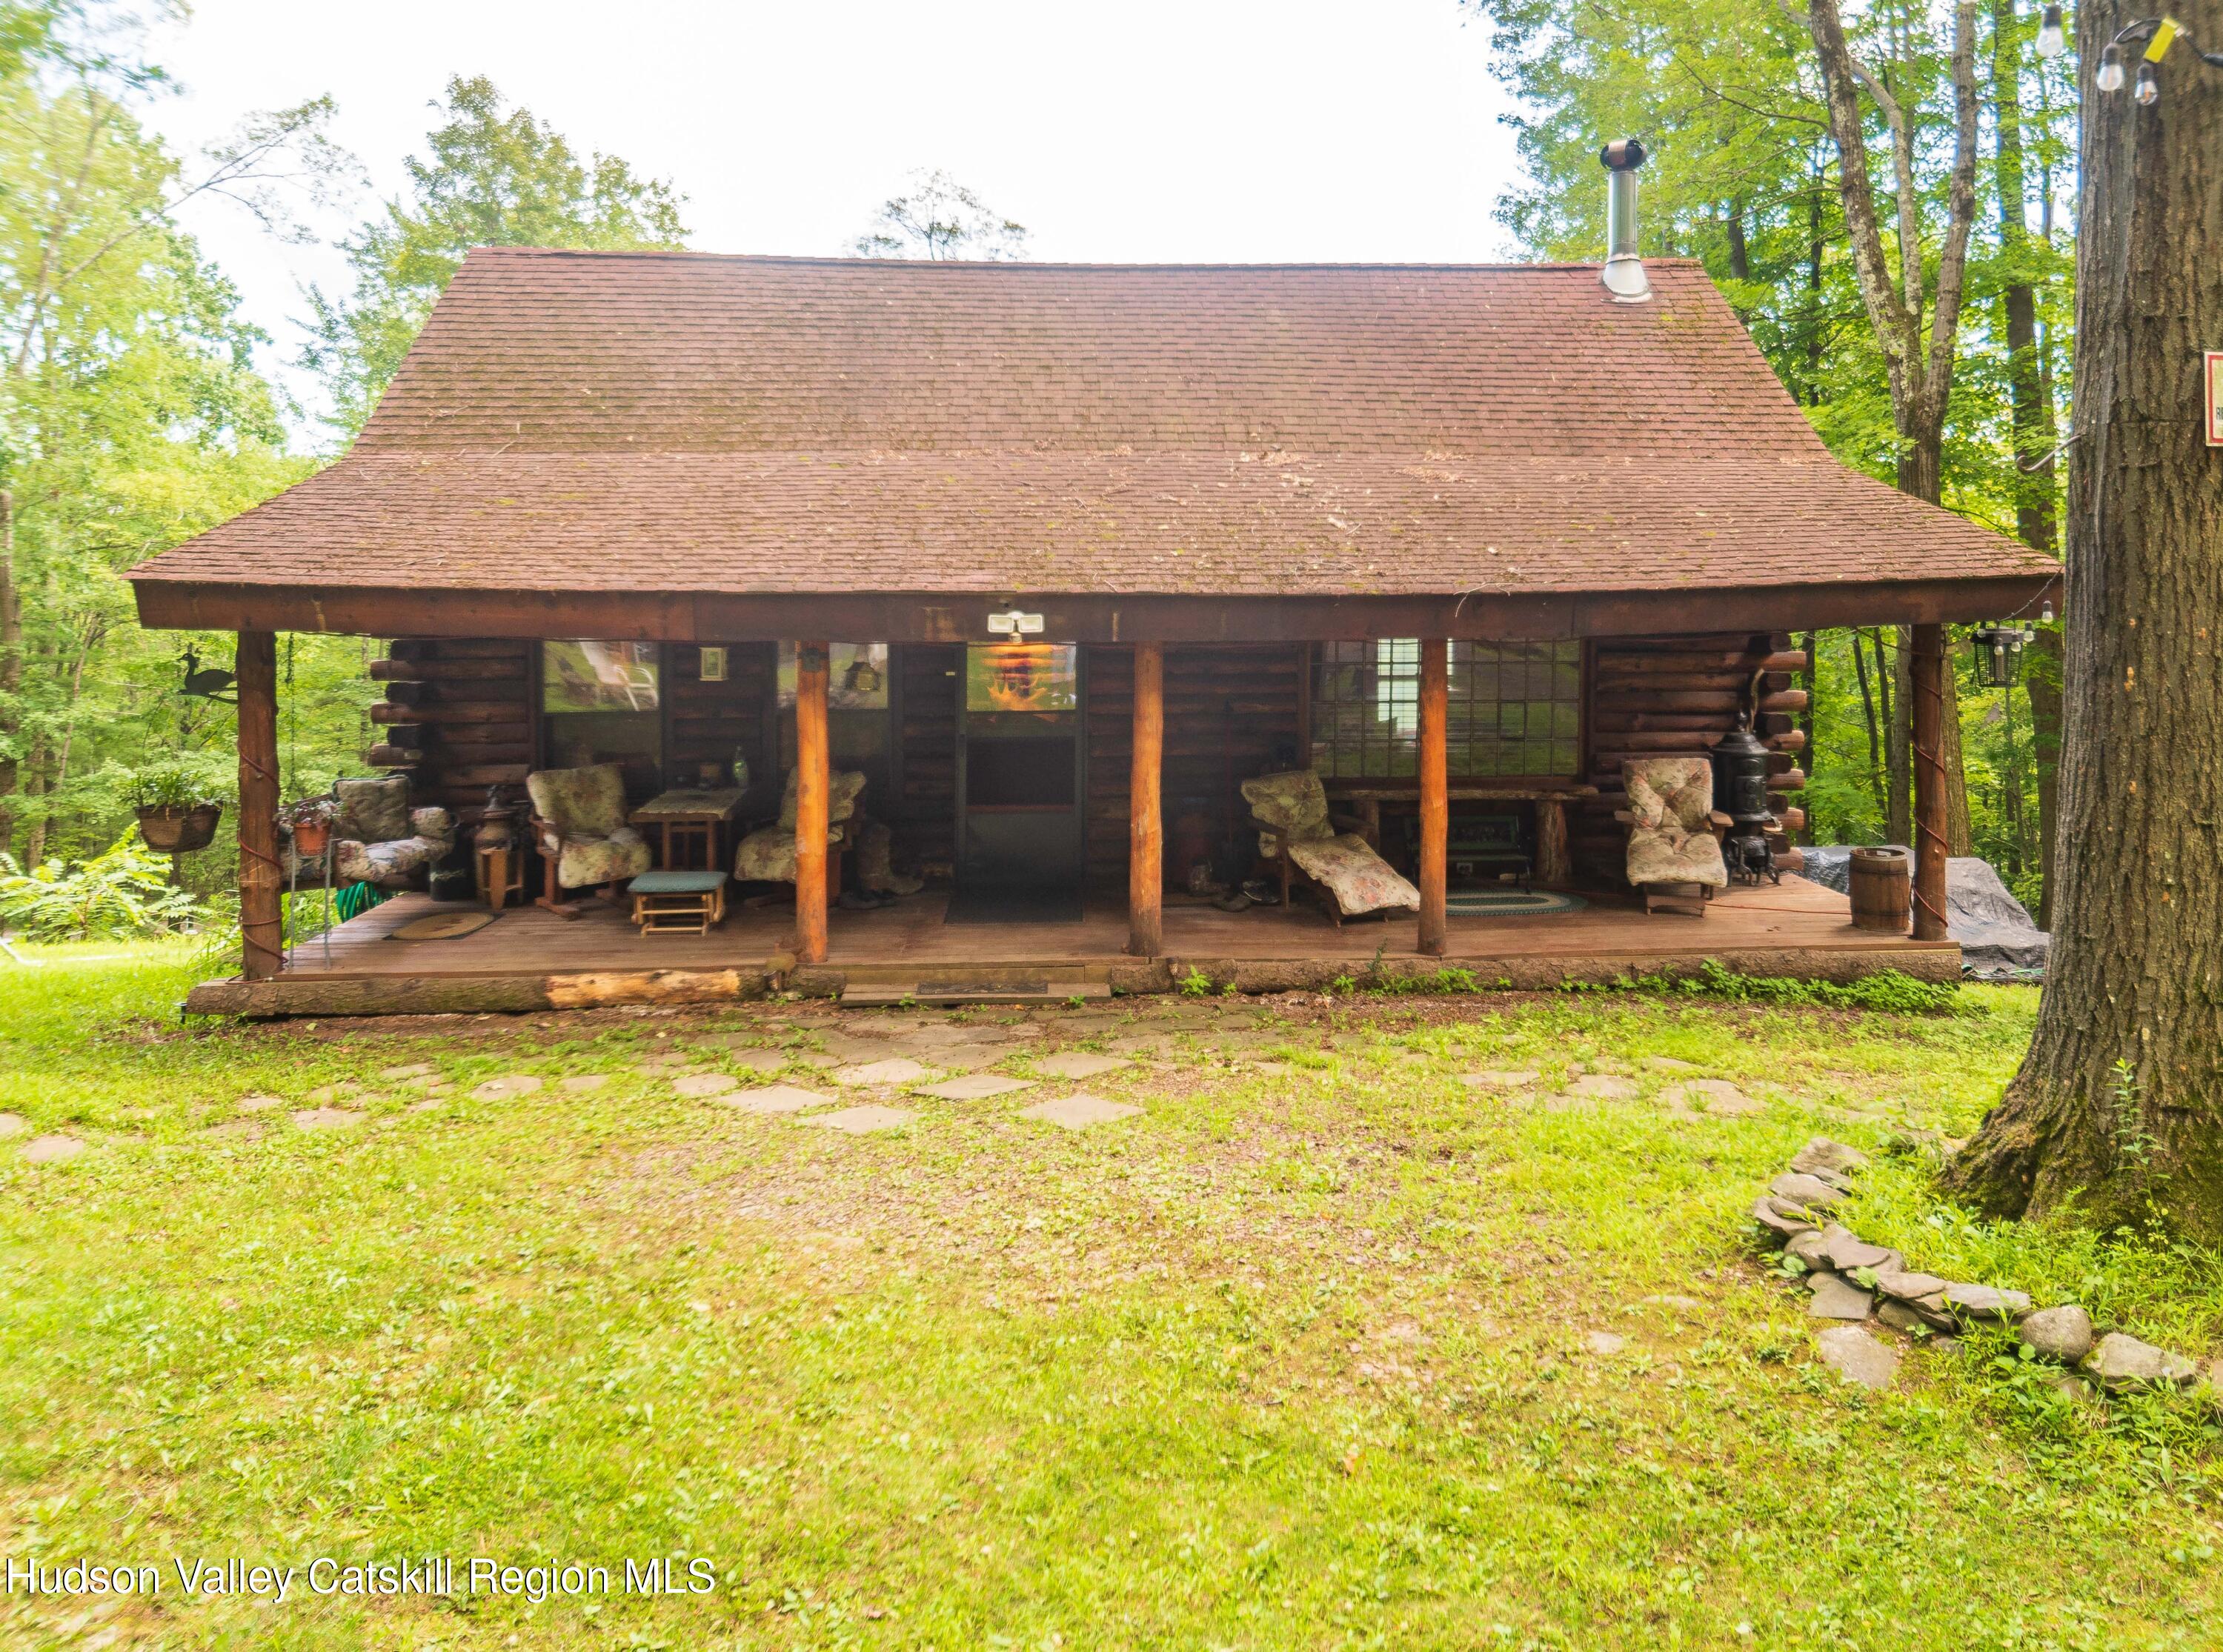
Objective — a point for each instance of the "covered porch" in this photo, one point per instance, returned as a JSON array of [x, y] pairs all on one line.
[[528, 958]]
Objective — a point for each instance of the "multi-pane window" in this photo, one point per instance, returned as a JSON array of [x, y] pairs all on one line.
[[1515, 709]]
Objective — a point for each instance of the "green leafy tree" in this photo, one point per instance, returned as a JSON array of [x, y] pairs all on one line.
[[491, 178]]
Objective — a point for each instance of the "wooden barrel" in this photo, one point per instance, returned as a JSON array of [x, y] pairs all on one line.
[[1882, 890]]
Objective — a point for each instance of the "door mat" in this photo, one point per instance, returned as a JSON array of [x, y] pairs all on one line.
[[444, 926], [1509, 903], [1014, 906]]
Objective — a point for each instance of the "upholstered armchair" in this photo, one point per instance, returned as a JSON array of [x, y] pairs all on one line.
[[1674, 833], [767, 855], [579, 827], [1307, 844], [377, 838]]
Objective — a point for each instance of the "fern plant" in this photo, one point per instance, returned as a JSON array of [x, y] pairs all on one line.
[[125, 890]]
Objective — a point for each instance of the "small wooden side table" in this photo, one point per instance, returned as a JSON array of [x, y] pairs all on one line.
[[679, 903], [690, 826], [500, 874]]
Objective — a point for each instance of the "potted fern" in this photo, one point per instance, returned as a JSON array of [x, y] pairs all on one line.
[[176, 816]]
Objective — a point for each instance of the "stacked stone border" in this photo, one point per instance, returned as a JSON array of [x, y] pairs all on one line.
[[1854, 1282]]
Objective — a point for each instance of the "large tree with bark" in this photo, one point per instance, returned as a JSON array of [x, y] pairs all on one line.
[[2117, 1113]]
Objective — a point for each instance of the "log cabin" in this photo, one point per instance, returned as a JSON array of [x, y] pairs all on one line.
[[1057, 556]]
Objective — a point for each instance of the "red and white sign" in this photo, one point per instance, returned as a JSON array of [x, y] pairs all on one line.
[[2213, 362]]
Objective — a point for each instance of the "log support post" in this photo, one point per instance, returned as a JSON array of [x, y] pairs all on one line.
[[1928, 669], [1145, 815], [813, 789], [261, 926], [1435, 792]]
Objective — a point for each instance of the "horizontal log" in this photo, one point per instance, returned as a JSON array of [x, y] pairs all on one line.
[[411, 736], [467, 734], [437, 670], [1789, 740], [407, 693], [1721, 701], [1630, 722], [413, 995], [461, 648], [449, 711], [1710, 660], [392, 756], [479, 776], [1791, 819], [450, 757]]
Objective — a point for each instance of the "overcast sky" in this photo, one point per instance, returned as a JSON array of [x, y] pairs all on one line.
[[1241, 131]]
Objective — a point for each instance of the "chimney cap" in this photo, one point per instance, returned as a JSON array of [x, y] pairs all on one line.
[[1622, 154]]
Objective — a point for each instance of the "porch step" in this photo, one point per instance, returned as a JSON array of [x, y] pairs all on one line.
[[950, 990]]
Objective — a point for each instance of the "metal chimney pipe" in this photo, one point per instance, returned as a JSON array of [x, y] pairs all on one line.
[[1623, 274]]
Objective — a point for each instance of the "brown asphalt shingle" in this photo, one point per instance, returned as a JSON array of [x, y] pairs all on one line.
[[587, 422]]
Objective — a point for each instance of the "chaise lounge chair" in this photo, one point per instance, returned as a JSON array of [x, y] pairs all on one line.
[[1298, 836]]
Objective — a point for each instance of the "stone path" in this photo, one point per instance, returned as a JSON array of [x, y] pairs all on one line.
[[326, 1118], [974, 1087], [52, 1150], [1078, 1064], [704, 1083], [1603, 1087], [898, 1069], [1500, 1078], [1857, 1357], [580, 1082], [260, 1104], [1701, 1098], [13, 1124], [859, 1121], [509, 1084], [775, 1098], [1079, 1111]]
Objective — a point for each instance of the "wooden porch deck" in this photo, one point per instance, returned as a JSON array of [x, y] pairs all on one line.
[[529, 958]]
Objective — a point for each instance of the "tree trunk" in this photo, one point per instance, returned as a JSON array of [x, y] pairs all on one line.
[[11, 669], [2119, 1104]]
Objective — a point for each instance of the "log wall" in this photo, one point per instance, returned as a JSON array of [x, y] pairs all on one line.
[[457, 716], [1668, 696]]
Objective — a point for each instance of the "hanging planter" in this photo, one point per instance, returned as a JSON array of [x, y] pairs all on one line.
[[174, 817]]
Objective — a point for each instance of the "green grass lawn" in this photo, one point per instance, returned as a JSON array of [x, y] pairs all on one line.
[[1290, 1358]]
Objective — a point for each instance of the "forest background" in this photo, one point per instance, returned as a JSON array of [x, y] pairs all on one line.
[[132, 415]]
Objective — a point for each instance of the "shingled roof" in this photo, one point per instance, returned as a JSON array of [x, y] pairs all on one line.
[[681, 422]]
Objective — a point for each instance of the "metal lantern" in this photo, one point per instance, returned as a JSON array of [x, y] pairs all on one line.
[[1998, 652]]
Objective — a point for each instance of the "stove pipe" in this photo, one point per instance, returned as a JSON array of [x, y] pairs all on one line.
[[1623, 275]]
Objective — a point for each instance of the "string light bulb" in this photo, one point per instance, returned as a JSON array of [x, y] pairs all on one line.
[[2109, 77], [2052, 41], [2148, 87]]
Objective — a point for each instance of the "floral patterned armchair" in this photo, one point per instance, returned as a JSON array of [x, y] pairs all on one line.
[[767, 855], [1674, 833], [1298, 835], [377, 838], [579, 827]]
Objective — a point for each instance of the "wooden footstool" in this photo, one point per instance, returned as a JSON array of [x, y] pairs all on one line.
[[679, 903]]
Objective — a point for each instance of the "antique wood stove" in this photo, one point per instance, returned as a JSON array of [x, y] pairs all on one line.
[[1740, 793]]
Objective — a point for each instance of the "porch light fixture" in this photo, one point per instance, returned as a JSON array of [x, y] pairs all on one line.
[[1015, 624], [2154, 36], [1998, 652]]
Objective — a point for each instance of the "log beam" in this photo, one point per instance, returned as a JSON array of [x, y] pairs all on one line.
[[262, 926], [1145, 813], [813, 786], [1435, 792], [1928, 667]]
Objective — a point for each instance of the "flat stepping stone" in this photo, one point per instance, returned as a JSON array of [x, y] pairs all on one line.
[[758, 1059], [1838, 1298], [13, 1124], [1274, 1069], [334, 1092], [1714, 1097], [51, 1150], [1604, 1341], [809, 1058], [1857, 1357], [260, 1104], [509, 1084], [1500, 1078], [974, 1087], [895, 1070], [862, 1121], [704, 1083], [775, 1098], [1078, 1064], [411, 1070], [1603, 1087], [326, 1118], [579, 1083], [1078, 1111]]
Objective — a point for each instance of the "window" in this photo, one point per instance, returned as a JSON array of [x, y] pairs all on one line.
[[1022, 677], [1516, 710], [602, 703], [856, 709]]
